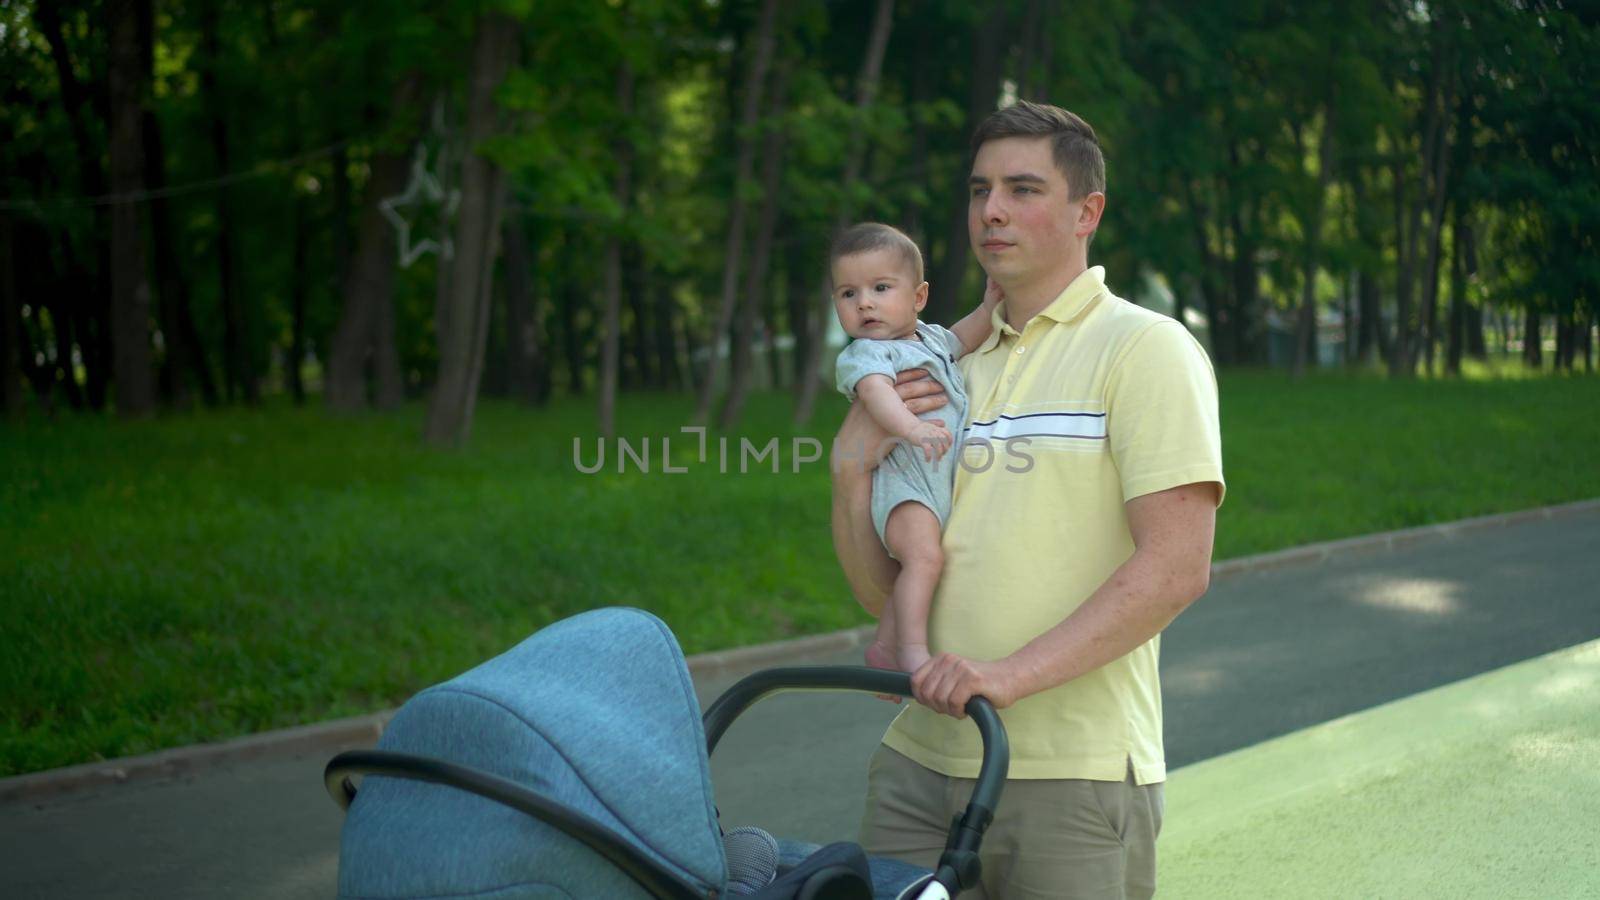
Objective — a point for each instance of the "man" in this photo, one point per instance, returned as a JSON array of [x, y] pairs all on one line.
[[1060, 573]]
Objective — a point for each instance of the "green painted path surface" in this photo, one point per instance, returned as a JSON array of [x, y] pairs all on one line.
[[1501, 799]]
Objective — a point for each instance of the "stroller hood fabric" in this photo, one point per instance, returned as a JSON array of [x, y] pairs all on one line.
[[596, 712]]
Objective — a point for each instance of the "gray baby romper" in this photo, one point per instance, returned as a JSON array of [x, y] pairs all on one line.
[[906, 473]]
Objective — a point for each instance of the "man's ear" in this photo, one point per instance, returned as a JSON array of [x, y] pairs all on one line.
[[1094, 206], [922, 296]]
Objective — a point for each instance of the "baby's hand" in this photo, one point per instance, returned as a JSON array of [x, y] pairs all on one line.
[[992, 293], [932, 437]]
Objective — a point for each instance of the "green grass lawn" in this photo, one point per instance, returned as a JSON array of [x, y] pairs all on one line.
[[204, 576]]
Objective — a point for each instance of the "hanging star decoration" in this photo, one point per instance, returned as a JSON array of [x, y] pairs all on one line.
[[424, 188]]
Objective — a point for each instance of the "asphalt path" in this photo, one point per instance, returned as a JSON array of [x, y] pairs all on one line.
[[1263, 654]]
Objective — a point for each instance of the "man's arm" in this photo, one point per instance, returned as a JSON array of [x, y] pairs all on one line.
[[1169, 569], [856, 448]]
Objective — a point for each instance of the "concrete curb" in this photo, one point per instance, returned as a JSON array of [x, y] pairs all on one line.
[[1393, 540], [363, 731], [321, 737]]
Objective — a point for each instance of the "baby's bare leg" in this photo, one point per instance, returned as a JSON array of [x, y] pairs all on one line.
[[913, 536]]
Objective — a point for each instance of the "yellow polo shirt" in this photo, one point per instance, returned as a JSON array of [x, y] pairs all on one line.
[[1101, 401]]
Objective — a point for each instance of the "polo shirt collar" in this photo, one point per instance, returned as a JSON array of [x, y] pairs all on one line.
[[1075, 299], [1068, 305]]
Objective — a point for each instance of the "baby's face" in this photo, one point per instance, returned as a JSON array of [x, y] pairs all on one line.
[[876, 295]]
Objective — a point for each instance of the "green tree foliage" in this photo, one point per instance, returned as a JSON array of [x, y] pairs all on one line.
[[1398, 172]]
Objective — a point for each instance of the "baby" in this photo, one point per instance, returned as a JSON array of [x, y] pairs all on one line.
[[877, 292]]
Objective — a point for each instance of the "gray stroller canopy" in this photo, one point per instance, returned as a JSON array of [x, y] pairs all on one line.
[[596, 712]]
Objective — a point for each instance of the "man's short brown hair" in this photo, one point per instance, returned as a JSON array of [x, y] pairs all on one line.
[[1073, 144], [866, 237]]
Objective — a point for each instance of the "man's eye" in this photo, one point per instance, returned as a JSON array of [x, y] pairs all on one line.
[[980, 192]]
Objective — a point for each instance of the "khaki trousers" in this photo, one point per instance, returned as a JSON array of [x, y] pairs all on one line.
[[1057, 838]]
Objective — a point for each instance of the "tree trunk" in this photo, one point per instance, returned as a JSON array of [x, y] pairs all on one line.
[[299, 236], [1440, 183], [238, 348], [1400, 350], [1433, 168], [1306, 333], [1206, 278], [1246, 286], [1477, 345], [983, 90], [69, 319], [694, 368], [817, 312], [1031, 37], [185, 351], [662, 317], [1588, 343], [524, 344], [461, 314], [756, 290], [29, 242], [1459, 261], [86, 315], [1370, 336], [299, 289], [339, 230], [572, 343], [1456, 333], [917, 210], [130, 288], [389, 389], [11, 336], [772, 315], [170, 291], [1347, 318], [640, 345], [1532, 351], [368, 281], [622, 149], [755, 78]]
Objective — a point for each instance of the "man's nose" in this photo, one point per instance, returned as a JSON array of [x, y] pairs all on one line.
[[994, 210]]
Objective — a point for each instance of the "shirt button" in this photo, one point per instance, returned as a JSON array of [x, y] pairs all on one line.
[[1020, 349]]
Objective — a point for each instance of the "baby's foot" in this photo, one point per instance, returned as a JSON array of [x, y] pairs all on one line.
[[912, 656], [881, 656]]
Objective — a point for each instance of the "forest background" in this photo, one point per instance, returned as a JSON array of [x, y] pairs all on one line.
[[257, 260]]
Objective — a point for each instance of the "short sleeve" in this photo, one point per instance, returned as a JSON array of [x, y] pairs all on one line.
[[857, 361], [1161, 413], [948, 341]]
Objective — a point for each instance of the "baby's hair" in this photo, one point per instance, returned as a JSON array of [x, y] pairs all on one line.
[[866, 237]]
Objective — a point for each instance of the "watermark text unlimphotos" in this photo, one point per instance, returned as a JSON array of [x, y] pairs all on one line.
[[747, 456]]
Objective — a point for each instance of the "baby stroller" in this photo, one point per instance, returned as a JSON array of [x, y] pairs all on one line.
[[576, 765]]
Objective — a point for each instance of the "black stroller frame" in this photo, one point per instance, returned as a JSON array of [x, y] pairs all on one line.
[[958, 868]]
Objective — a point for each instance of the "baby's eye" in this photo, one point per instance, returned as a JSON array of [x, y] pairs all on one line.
[[847, 293], [880, 288]]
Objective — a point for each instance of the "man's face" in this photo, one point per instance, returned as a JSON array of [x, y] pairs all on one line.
[[1019, 217], [876, 295]]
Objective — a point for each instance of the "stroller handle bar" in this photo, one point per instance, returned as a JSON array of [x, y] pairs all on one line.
[[959, 864]]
